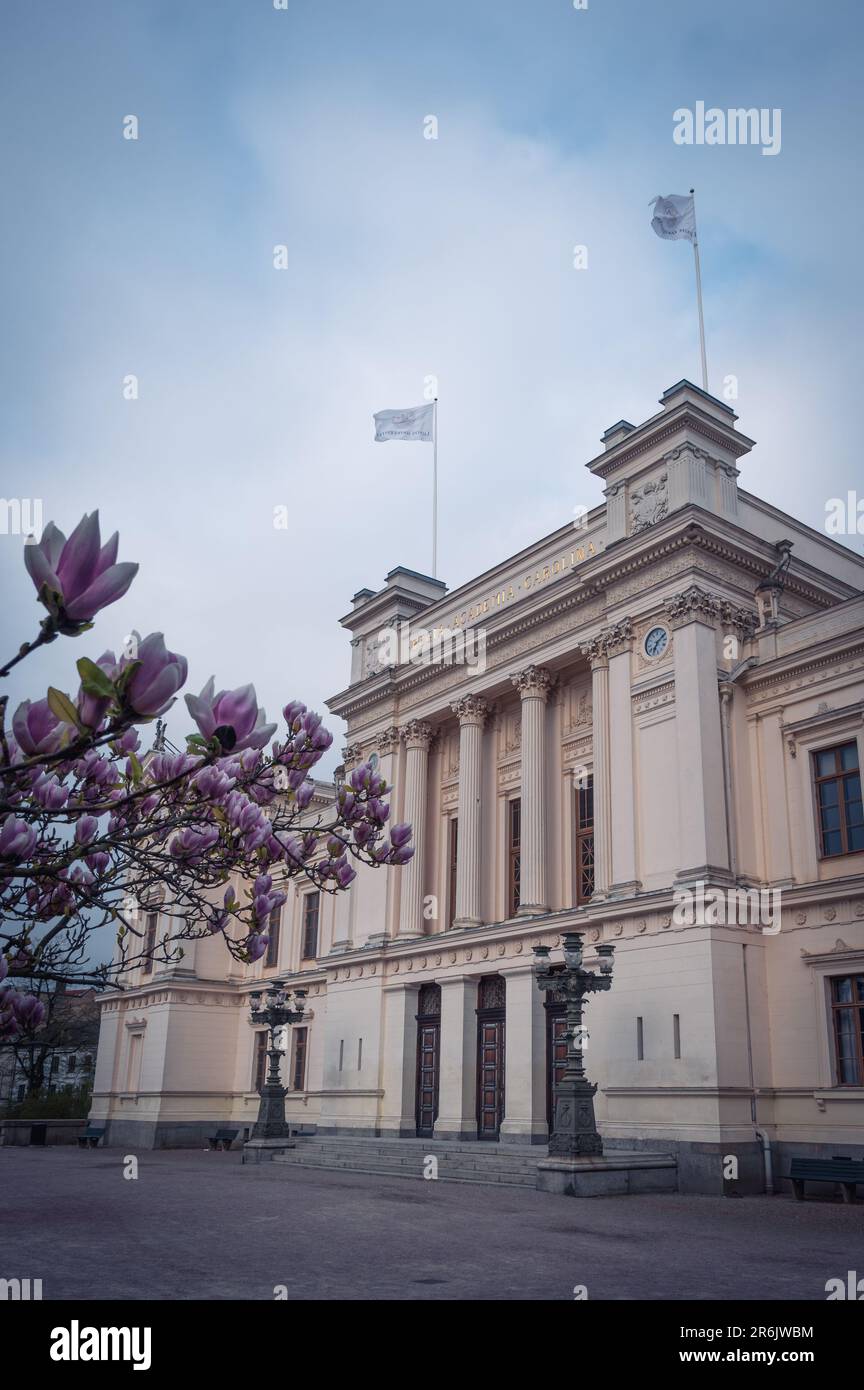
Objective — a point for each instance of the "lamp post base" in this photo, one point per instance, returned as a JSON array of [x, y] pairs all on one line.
[[263, 1150], [574, 1130], [271, 1123]]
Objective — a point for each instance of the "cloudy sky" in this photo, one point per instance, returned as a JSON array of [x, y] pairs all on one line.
[[407, 257]]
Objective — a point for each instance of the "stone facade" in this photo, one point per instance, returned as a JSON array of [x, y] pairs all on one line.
[[625, 658]]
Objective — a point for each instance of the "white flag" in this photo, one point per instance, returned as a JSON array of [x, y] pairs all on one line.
[[674, 217], [416, 423]]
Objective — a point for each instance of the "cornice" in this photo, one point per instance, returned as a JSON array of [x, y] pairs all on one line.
[[794, 667], [593, 583], [605, 571], [732, 442]]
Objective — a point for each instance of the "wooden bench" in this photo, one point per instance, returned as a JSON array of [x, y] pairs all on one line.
[[223, 1138], [91, 1136], [846, 1171]]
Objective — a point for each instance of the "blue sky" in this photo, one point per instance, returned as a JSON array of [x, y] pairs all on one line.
[[406, 257]]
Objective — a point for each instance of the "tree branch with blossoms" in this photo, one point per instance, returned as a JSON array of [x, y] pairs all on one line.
[[94, 832]]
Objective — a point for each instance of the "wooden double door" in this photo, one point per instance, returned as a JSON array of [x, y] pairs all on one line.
[[428, 1060], [556, 1053], [490, 1056]]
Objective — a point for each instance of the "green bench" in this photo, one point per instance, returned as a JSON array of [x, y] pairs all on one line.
[[91, 1136], [846, 1171], [223, 1138]]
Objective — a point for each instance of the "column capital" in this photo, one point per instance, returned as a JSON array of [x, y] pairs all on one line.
[[471, 709], [388, 740], [695, 604], [352, 754], [610, 641], [417, 734], [534, 682]]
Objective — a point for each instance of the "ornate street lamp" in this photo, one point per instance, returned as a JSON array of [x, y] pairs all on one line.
[[275, 1012], [574, 1131]]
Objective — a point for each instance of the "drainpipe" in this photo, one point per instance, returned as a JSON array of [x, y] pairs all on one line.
[[726, 684], [767, 1165], [766, 1159]]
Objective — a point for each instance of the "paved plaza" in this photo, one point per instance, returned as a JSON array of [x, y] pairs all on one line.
[[199, 1225]]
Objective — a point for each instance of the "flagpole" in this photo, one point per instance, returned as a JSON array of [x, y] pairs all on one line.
[[699, 295], [435, 490]]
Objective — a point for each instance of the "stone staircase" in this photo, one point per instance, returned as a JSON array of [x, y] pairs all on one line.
[[512, 1165]]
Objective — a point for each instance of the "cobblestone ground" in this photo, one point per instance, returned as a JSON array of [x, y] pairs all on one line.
[[200, 1225]]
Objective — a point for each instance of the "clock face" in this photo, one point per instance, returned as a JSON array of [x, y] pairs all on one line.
[[656, 641]]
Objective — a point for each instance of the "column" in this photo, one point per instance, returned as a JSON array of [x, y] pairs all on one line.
[[389, 745], [457, 1079], [399, 1059], [471, 713], [417, 737], [596, 653], [772, 768], [533, 685], [525, 1060], [622, 781], [703, 846]]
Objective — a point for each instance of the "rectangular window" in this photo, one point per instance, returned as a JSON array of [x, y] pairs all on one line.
[[259, 1060], [640, 1041], [133, 1069], [584, 848], [676, 1034], [150, 924], [453, 854], [298, 1066], [311, 905], [837, 779], [274, 924], [70, 1064], [514, 840], [847, 1012]]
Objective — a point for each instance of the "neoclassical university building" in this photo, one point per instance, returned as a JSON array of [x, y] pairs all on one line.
[[647, 727]]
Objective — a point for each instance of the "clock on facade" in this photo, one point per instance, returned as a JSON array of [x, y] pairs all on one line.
[[656, 641]]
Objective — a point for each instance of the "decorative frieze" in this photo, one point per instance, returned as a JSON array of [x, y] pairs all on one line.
[[658, 695], [649, 504], [695, 602], [609, 642]]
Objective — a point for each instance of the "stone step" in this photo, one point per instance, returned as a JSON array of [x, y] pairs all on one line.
[[490, 1164], [486, 1176], [417, 1150], [416, 1158]]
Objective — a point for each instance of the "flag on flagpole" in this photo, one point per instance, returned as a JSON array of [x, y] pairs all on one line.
[[674, 217], [675, 220], [417, 423]]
